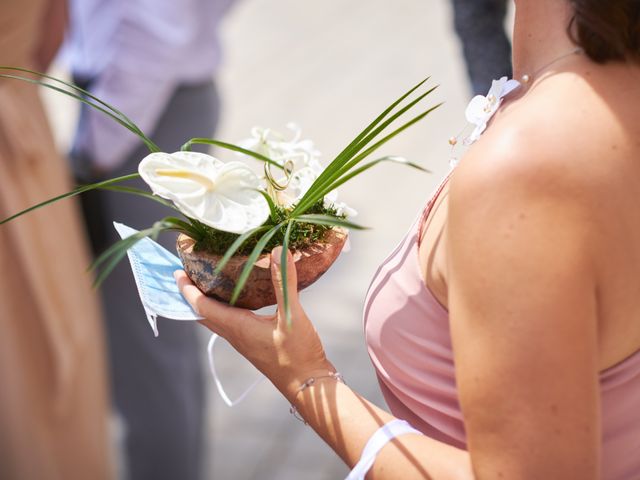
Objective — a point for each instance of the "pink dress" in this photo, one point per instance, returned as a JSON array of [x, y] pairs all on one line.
[[408, 338]]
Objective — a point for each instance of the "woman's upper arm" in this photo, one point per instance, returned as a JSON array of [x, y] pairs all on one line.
[[523, 319]]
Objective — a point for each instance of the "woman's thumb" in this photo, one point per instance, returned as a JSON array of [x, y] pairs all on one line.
[[285, 283]]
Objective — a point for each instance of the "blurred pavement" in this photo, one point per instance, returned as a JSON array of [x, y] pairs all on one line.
[[331, 67]]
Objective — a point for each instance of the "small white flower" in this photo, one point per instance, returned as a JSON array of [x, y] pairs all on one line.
[[304, 158], [221, 195], [481, 108], [299, 154], [274, 145], [331, 201]]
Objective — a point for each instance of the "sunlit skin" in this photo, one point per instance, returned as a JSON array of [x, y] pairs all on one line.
[[534, 248]]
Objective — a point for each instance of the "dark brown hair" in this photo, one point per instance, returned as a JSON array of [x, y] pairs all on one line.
[[607, 29]]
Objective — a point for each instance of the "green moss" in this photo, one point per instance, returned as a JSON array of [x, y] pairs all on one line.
[[302, 234]]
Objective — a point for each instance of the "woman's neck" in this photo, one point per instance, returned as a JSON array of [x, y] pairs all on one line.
[[540, 34]]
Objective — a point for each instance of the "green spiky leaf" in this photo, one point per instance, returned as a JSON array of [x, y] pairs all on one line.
[[251, 260], [72, 193], [232, 147]]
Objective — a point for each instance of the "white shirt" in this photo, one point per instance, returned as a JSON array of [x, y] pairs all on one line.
[[138, 52]]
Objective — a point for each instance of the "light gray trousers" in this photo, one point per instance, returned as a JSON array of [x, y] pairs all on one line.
[[157, 383]]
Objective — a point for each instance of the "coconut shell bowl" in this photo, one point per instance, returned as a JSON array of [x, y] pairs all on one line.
[[311, 262]]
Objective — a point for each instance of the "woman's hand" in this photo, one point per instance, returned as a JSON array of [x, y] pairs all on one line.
[[286, 354]]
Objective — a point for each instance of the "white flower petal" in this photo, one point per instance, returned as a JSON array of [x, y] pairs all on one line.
[[475, 111], [221, 195], [301, 181], [509, 87], [496, 87]]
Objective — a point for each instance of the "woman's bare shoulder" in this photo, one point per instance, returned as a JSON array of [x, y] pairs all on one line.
[[563, 138]]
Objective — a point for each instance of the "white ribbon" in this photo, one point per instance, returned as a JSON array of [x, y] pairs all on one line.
[[378, 440], [216, 379]]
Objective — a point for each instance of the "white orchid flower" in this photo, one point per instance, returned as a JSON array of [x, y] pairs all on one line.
[[221, 195], [302, 156], [341, 208], [274, 145], [481, 108]]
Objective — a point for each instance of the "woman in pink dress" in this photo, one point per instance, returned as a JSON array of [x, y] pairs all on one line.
[[506, 325]]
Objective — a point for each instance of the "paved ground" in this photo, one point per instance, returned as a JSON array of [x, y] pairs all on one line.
[[330, 66]]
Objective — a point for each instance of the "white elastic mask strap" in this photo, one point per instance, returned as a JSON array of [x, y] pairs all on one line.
[[378, 440], [216, 379]]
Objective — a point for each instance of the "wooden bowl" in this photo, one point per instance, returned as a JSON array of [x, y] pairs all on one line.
[[311, 262]]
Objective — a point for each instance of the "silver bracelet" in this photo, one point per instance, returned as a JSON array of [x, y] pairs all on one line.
[[308, 383]]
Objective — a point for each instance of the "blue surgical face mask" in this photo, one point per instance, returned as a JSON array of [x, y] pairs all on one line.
[[153, 268]]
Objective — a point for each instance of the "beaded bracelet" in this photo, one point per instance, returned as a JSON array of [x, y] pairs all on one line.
[[308, 383]]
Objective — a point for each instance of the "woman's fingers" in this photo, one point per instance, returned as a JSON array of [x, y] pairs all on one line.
[[217, 315]]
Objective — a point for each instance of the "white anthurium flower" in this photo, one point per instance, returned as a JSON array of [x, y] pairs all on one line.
[[481, 108], [221, 195]]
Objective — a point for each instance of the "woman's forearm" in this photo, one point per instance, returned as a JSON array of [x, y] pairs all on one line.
[[346, 421]]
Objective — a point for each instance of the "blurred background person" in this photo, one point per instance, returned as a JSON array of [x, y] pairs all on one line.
[[485, 45], [53, 398], [155, 60]]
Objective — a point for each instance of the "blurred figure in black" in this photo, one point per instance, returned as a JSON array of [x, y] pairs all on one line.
[[486, 48]]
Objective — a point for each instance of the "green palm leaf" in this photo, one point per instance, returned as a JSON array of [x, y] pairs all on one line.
[[251, 260], [340, 166], [369, 165], [318, 219], [140, 193], [369, 134], [229, 146]]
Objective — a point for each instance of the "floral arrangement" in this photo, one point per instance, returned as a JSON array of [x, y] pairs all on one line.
[[225, 206]]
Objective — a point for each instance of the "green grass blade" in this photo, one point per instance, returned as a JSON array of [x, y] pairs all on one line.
[[72, 193], [183, 226], [116, 252], [246, 271], [229, 146], [284, 259], [271, 203], [140, 193], [133, 129], [236, 245], [328, 220], [76, 88], [104, 256]]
